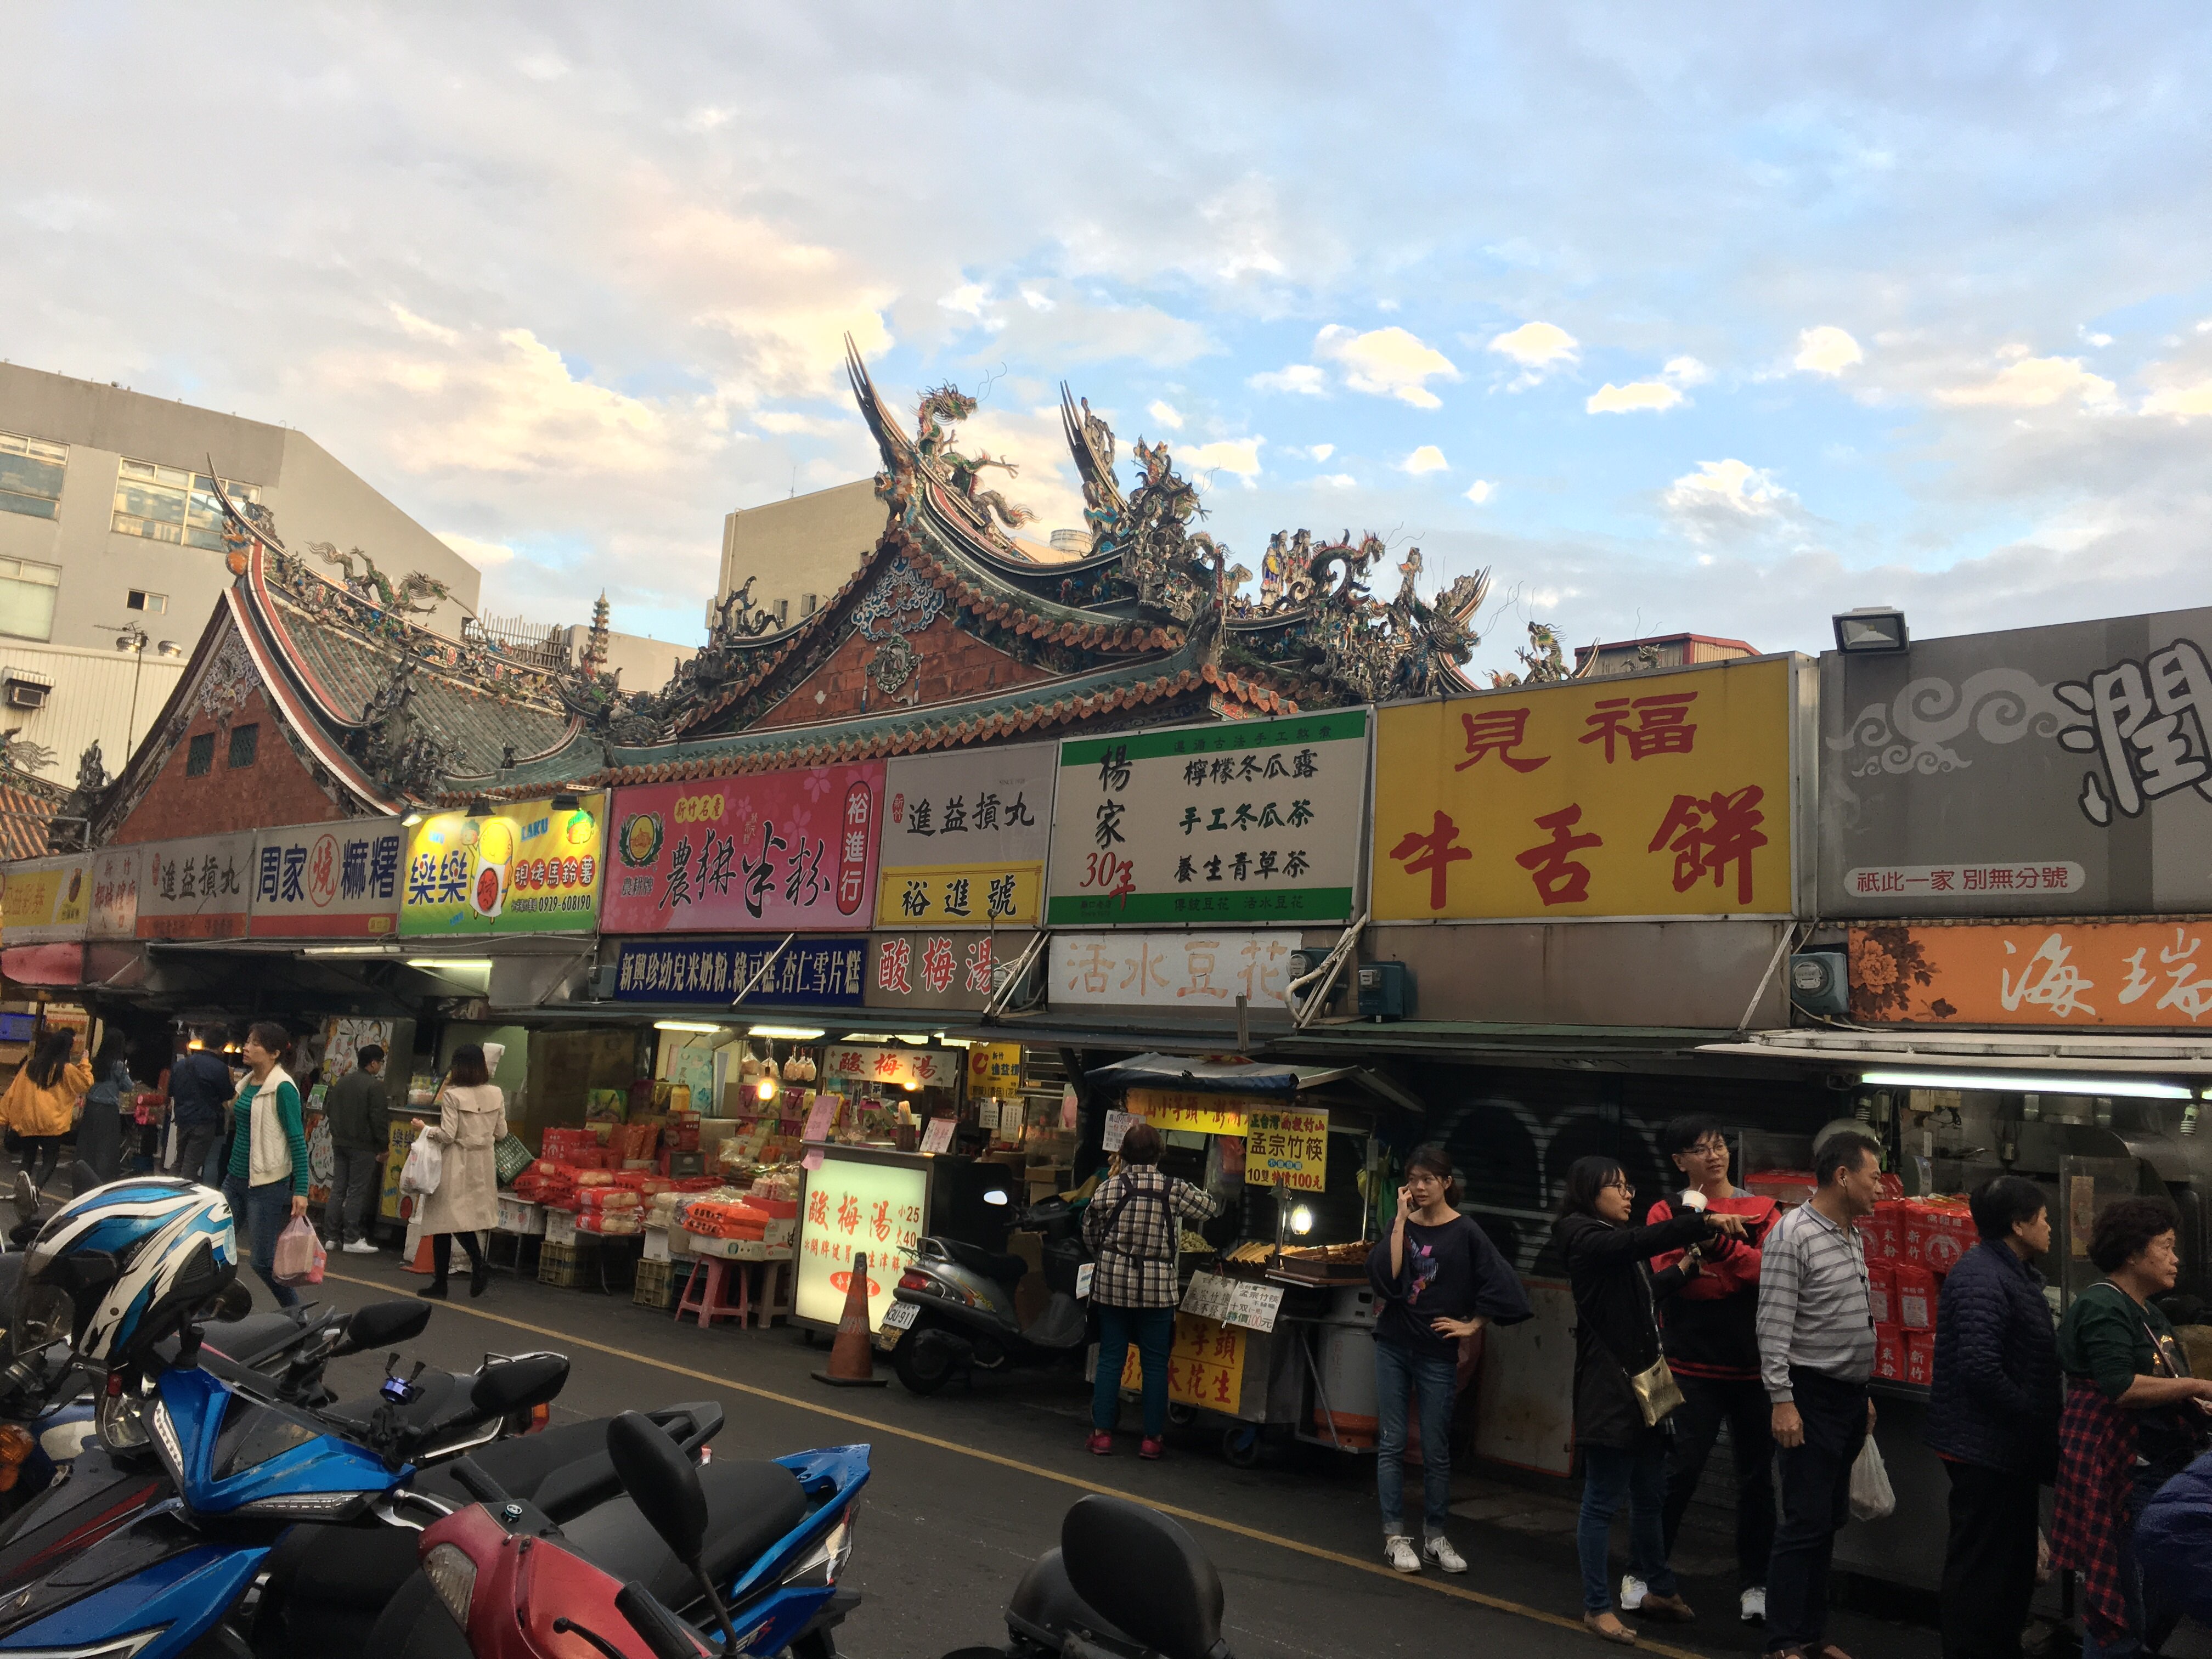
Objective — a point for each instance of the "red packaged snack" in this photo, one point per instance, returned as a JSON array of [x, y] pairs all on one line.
[[1916, 1297], [1920, 1357], [1881, 1291], [1889, 1352]]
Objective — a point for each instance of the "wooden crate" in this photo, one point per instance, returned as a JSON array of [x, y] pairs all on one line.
[[657, 1283], [569, 1266]]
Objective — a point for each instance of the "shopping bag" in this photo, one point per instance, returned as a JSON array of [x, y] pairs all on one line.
[[1872, 1499], [169, 1147], [425, 1165], [299, 1255]]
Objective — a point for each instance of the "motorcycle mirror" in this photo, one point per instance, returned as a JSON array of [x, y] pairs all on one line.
[[379, 1324], [661, 1482], [514, 1385], [232, 1302]]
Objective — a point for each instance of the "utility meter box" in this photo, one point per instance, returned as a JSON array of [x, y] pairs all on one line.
[[1820, 982], [1308, 961], [1386, 990]]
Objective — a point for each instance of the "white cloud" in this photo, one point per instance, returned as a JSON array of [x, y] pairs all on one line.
[[1165, 413], [2184, 401], [1827, 349], [788, 420], [1479, 491], [482, 555], [1311, 451], [1428, 458], [1386, 363], [422, 328], [1610, 399], [968, 299], [1036, 301], [2033, 383], [1724, 498], [1336, 481], [1236, 456], [707, 119], [1685, 371], [1536, 345], [1302, 378]]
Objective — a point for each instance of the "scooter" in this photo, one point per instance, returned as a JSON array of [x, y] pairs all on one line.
[[953, 1310], [753, 1549]]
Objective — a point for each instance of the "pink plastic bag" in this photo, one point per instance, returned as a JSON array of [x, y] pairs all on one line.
[[299, 1255]]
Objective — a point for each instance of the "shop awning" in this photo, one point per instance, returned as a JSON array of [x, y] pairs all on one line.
[[1214, 1074], [2018, 1056]]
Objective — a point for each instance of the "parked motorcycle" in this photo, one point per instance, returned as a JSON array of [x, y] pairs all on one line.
[[952, 1310]]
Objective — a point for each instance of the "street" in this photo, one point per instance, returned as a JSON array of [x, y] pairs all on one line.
[[970, 1487]]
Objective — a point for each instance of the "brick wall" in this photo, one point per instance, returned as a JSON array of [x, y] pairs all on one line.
[[277, 788], [955, 666]]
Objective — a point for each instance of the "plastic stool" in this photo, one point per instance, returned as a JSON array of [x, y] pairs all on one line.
[[710, 1301]]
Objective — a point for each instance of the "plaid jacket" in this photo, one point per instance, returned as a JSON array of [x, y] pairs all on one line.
[[2096, 1451], [1131, 1228]]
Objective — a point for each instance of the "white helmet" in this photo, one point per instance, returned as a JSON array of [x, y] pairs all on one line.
[[123, 1265]]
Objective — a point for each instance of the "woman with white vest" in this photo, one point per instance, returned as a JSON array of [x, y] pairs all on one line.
[[267, 1183]]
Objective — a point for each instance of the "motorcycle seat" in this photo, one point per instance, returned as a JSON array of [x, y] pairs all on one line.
[[1003, 1269], [563, 1471], [749, 1507], [245, 1342]]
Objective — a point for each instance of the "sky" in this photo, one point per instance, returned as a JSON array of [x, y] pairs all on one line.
[[1720, 319]]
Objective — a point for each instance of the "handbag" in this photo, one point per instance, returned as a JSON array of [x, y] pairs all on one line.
[[1657, 1391]]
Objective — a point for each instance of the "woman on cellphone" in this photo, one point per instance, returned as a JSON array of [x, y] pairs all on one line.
[[1437, 1278]]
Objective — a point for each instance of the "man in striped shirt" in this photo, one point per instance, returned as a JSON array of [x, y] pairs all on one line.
[[1815, 1354]]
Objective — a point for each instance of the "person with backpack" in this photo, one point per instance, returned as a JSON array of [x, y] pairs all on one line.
[[39, 1106], [1131, 1227]]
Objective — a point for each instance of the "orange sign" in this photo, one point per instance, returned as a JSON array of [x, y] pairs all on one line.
[[1206, 1366], [2137, 974]]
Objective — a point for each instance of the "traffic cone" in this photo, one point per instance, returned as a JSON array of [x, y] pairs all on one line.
[[852, 1356]]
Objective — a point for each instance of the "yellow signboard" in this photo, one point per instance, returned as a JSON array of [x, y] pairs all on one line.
[[1206, 1366], [44, 900], [941, 896], [1286, 1149], [1195, 1114], [1656, 794], [994, 1068]]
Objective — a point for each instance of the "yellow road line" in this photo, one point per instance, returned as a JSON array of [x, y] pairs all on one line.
[[1497, 1604]]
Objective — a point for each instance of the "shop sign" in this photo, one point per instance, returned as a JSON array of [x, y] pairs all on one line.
[[1206, 1364], [851, 1208], [46, 901], [530, 868], [964, 838], [1663, 794], [823, 972], [2087, 974], [1233, 1301], [1204, 969], [2055, 771], [1192, 1113], [791, 851], [328, 880], [899, 1068], [1286, 1149], [935, 970], [1249, 822], [196, 888], [116, 872], [994, 1068]]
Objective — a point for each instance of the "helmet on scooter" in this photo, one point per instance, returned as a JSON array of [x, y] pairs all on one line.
[[117, 1269]]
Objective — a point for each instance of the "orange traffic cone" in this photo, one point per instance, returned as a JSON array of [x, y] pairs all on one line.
[[852, 1356], [421, 1263]]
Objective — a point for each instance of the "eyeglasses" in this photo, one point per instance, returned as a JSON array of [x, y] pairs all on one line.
[[1714, 1148], [1622, 1184]]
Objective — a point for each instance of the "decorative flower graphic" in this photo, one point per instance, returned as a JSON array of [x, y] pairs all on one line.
[[1886, 964]]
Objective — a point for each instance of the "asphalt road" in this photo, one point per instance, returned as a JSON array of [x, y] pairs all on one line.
[[970, 1487]]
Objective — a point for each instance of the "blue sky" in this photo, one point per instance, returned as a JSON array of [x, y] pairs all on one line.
[[1717, 318]]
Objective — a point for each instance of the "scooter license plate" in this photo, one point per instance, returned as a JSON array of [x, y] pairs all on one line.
[[899, 1316]]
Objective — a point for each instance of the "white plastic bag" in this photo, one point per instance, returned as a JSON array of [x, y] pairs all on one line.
[[299, 1255], [425, 1163], [1872, 1499]]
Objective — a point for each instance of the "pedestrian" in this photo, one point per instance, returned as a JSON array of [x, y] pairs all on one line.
[[360, 1118], [1709, 1331], [2133, 1418], [1438, 1279], [267, 1181], [200, 1086], [1131, 1228], [1623, 1392], [99, 1128], [1993, 1418], [1815, 1354], [39, 1106], [471, 1121]]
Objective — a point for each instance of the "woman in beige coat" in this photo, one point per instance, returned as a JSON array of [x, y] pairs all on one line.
[[471, 1121]]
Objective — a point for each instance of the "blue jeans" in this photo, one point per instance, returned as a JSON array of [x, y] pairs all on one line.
[[1400, 1372], [1609, 1476], [265, 1210], [1153, 1329]]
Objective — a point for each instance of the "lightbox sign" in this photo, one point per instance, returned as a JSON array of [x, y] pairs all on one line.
[[851, 1208], [819, 972], [328, 880], [116, 875], [46, 901], [529, 868], [197, 888], [965, 834]]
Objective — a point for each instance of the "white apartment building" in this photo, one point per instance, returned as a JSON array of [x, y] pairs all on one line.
[[800, 550]]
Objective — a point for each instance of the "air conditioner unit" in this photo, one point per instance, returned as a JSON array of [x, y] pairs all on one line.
[[1820, 982], [24, 693]]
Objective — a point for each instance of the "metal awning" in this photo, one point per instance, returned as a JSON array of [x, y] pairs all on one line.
[[1213, 1074], [2017, 1056]]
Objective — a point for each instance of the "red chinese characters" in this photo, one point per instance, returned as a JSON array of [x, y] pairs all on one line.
[[1708, 834], [853, 849], [897, 956], [1657, 725], [1499, 732], [1560, 878], [1433, 854]]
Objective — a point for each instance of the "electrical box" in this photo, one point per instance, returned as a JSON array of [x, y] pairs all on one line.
[[1386, 990], [602, 982], [1309, 961], [1820, 982]]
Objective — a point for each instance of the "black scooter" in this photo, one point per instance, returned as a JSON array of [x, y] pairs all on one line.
[[952, 1310]]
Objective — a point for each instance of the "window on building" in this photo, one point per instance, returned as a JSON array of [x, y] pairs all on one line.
[[166, 504], [199, 755], [139, 599], [245, 740], [782, 613], [27, 599], [809, 604], [31, 476]]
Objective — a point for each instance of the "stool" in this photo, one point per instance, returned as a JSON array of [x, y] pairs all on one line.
[[769, 1291], [710, 1301], [530, 1241]]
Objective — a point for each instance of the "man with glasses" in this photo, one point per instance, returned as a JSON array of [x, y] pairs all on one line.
[[1710, 1337]]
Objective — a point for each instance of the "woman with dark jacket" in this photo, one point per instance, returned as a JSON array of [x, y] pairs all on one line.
[[1617, 1338], [100, 1130], [1993, 1418]]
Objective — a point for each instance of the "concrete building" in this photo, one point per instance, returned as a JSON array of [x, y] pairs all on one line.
[[1658, 651], [800, 550]]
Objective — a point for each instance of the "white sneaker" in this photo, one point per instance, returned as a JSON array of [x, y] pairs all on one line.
[[1440, 1550], [1754, 1605], [26, 1194], [1633, 1592], [1398, 1553], [361, 1247]]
